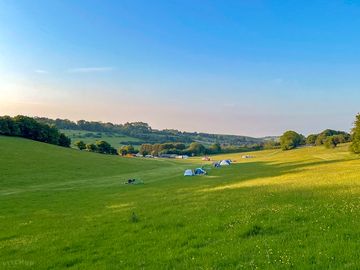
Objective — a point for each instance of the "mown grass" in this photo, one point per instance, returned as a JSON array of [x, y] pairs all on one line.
[[62, 208]]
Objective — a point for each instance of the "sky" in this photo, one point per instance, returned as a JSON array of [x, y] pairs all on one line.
[[247, 67]]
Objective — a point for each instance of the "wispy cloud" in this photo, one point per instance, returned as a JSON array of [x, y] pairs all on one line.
[[90, 69], [41, 71]]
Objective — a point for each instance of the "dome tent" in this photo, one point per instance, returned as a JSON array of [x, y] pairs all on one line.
[[225, 163], [188, 172], [199, 171]]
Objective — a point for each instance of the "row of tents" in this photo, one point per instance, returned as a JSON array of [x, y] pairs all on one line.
[[201, 171]]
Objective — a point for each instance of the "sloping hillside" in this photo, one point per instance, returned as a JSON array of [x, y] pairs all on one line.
[[278, 210]]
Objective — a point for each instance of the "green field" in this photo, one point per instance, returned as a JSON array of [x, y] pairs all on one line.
[[62, 208], [115, 139]]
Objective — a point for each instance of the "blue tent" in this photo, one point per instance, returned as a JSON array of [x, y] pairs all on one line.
[[199, 171]]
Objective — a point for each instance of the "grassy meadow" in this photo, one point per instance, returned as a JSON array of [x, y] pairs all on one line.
[[63, 208]]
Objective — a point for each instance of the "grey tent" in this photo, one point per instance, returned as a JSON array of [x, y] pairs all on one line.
[[188, 172]]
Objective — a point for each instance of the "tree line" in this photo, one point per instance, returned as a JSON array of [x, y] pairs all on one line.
[[158, 149], [329, 138], [195, 148], [101, 147], [28, 127], [144, 132]]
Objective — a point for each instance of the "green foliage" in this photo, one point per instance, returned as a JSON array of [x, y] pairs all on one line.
[[197, 148], [321, 138], [146, 149], [331, 141], [104, 147], [80, 145], [271, 144], [311, 139], [91, 147], [214, 148], [290, 140], [194, 148], [355, 133], [29, 128], [64, 141], [144, 133], [127, 149]]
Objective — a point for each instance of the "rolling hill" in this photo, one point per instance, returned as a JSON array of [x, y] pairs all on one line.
[[63, 208], [139, 132]]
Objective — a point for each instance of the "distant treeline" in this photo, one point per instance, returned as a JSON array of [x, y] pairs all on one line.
[[27, 127], [329, 138], [145, 133], [194, 148]]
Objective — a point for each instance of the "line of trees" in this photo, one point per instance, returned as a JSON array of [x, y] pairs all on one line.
[[329, 138], [195, 148], [145, 133], [28, 127], [101, 147], [158, 149]]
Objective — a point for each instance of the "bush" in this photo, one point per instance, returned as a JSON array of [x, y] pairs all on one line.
[[311, 139], [81, 145], [290, 140], [331, 142]]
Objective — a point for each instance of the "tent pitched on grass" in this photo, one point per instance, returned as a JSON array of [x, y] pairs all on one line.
[[188, 172], [225, 163], [199, 171]]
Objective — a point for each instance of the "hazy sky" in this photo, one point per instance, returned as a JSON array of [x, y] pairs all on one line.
[[238, 67]]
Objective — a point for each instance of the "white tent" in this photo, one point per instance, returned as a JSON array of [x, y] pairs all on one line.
[[224, 163], [188, 172]]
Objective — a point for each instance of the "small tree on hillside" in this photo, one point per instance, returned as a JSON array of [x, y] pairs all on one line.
[[355, 133], [81, 145], [290, 140]]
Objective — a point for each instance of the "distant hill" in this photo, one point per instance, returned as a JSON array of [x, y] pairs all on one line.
[[137, 133]]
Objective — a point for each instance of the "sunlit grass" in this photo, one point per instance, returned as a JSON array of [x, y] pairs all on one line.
[[62, 208]]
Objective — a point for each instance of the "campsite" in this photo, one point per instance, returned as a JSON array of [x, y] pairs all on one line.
[[279, 210], [179, 135]]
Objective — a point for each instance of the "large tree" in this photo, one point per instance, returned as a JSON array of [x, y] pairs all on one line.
[[126, 149], [311, 139], [355, 133], [331, 141], [214, 148], [196, 148], [291, 139]]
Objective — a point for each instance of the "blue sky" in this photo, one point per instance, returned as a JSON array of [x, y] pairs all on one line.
[[240, 67]]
